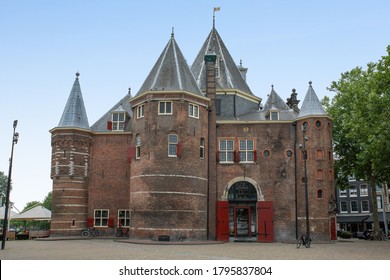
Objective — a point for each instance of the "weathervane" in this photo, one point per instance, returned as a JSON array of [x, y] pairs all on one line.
[[216, 9]]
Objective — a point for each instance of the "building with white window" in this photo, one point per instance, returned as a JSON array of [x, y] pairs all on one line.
[[195, 155]]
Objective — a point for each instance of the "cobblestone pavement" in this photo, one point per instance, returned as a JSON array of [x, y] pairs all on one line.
[[108, 249]]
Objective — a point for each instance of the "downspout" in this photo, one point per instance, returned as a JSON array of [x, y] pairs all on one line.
[[295, 179]]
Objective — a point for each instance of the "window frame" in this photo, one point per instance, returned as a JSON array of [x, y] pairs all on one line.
[[116, 125], [352, 204], [342, 193], [202, 148], [227, 152], [354, 193], [165, 108], [341, 206], [192, 108], [103, 220], [244, 153], [138, 147], [140, 111], [272, 114], [368, 206], [172, 145], [365, 188], [126, 218]]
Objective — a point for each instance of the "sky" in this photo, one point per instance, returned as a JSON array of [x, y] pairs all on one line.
[[114, 45]]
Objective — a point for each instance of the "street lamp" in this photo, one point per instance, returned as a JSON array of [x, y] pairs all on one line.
[[304, 153], [15, 138]]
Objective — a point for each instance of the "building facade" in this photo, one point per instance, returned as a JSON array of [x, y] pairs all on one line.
[[195, 155]]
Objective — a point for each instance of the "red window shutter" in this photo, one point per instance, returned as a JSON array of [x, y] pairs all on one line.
[[90, 222], [218, 156], [109, 125], [131, 154], [255, 156], [178, 150], [236, 156], [111, 222]]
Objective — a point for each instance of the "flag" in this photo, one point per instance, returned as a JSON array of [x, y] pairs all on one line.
[[216, 9]]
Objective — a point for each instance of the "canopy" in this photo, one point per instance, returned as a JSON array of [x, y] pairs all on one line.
[[2, 211], [38, 213]]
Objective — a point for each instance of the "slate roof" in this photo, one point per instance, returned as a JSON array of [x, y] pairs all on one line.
[[74, 114], [274, 101], [311, 104], [171, 72], [230, 76]]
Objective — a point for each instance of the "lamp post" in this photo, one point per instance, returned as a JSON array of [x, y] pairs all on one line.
[[304, 151], [15, 138]]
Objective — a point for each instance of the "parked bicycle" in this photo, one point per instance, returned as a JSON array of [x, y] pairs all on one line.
[[303, 240], [121, 231], [87, 232]]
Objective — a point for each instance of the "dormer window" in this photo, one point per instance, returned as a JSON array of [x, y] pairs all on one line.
[[118, 121], [274, 115]]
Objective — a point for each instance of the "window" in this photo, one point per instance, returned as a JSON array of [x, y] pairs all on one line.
[[343, 207], [318, 124], [320, 194], [124, 218], [365, 206], [193, 111], [201, 148], [352, 191], [101, 218], [266, 154], [363, 190], [140, 111], [226, 150], [342, 193], [274, 115], [172, 145], [319, 154], [165, 108], [289, 153], [379, 202], [246, 151], [118, 121], [138, 147], [354, 206]]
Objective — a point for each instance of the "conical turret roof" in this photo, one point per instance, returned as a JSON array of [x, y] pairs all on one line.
[[171, 72], [230, 76], [74, 114], [311, 104], [274, 101]]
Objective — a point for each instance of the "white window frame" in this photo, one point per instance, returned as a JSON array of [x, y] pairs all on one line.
[[272, 115], [246, 152], [101, 220], [228, 153], [138, 147], [164, 111], [341, 207], [365, 188], [193, 110], [140, 111], [202, 148], [124, 221], [357, 206], [172, 145], [368, 206], [342, 193], [379, 202], [352, 191], [118, 124]]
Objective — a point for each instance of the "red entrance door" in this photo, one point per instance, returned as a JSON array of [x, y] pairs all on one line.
[[265, 222], [223, 220]]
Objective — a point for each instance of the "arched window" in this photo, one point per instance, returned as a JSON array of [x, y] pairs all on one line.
[[243, 191]]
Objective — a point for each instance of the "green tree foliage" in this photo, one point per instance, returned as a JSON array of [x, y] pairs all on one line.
[[47, 201], [3, 186], [361, 121]]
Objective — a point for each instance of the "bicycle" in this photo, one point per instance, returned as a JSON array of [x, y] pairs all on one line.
[[303, 240], [87, 232], [120, 232]]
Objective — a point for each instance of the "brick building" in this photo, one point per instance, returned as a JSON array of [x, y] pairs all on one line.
[[194, 155]]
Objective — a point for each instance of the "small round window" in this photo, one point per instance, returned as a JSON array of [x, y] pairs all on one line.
[[289, 153], [318, 124], [266, 153]]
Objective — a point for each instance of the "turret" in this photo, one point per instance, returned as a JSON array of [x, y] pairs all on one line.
[[71, 141]]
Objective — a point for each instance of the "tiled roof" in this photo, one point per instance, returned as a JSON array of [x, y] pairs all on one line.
[[74, 114], [311, 104], [171, 72], [230, 76], [274, 101]]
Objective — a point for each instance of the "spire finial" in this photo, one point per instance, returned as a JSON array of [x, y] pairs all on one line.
[[77, 74], [216, 9], [129, 91], [310, 82], [173, 32]]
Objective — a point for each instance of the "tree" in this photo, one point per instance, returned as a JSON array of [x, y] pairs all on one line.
[[361, 122], [47, 201], [3, 186]]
